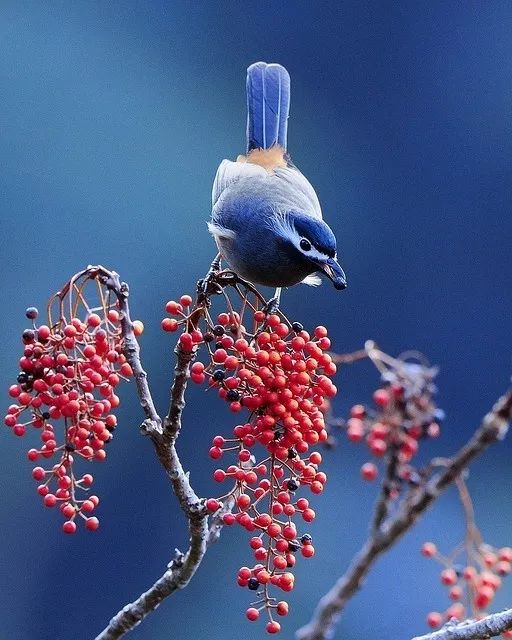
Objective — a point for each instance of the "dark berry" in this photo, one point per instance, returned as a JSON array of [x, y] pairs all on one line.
[[253, 584], [208, 337], [292, 454], [232, 395], [306, 539], [439, 415], [297, 327], [28, 335], [292, 485], [22, 377], [45, 415], [31, 313], [219, 375], [293, 545], [218, 330]]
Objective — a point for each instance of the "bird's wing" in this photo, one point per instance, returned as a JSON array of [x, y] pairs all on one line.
[[299, 190], [230, 172]]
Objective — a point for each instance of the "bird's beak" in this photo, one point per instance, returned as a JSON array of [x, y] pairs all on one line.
[[335, 273]]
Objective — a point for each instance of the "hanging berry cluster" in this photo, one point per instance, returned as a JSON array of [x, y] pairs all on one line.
[[472, 573], [279, 376], [66, 392], [403, 413]]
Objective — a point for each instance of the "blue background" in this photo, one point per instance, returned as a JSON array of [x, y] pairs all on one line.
[[114, 118]]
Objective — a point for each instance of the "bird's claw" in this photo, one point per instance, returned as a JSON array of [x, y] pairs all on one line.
[[208, 285]]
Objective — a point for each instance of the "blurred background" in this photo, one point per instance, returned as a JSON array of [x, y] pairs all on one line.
[[114, 118]]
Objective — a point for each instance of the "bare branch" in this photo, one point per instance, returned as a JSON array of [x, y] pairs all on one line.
[[488, 627], [493, 428], [163, 435]]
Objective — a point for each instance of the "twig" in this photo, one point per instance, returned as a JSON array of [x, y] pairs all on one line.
[[488, 627], [163, 435], [493, 427]]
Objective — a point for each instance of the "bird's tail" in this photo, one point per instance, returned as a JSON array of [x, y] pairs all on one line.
[[268, 105]]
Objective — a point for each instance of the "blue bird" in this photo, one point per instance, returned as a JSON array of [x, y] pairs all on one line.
[[266, 217]]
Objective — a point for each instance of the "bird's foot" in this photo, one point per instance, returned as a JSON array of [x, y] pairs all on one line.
[[208, 285]]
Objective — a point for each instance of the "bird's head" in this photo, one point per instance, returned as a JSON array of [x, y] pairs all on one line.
[[314, 243]]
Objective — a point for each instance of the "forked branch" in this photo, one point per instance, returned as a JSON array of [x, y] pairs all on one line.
[[493, 428], [163, 434]]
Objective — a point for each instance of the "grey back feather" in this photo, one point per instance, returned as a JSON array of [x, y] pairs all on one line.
[[287, 187]]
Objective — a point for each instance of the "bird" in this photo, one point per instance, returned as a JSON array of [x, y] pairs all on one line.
[[266, 217]]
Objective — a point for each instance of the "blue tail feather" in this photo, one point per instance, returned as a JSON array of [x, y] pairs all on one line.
[[268, 105]]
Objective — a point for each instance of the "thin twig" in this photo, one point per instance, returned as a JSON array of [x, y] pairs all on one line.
[[493, 427], [488, 627]]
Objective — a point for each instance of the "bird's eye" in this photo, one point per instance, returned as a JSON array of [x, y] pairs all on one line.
[[305, 245]]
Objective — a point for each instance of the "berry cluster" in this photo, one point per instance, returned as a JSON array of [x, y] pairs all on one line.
[[66, 391], [280, 375], [474, 570], [404, 412], [472, 584]]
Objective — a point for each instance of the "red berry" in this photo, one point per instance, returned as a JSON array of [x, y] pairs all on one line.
[[68, 510], [94, 320], [273, 627], [212, 504], [38, 473], [358, 411], [282, 608], [87, 480], [428, 549], [483, 597], [252, 614], [369, 471], [87, 506], [138, 328], [50, 500], [92, 524], [448, 577], [228, 519], [43, 333], [173, 308], [274, 530], [434, 619], [381, 398], [169, 324], [186, 341], [243, 501], [69, 526]]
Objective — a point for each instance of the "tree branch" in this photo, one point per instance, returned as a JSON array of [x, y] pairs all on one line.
[[493, 427], [488, 627], [163, 435], [382, 505]]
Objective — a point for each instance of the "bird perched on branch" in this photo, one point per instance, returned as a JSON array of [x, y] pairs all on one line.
[[266, 218]]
